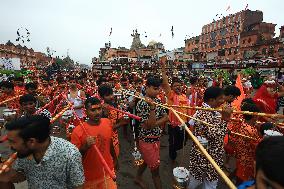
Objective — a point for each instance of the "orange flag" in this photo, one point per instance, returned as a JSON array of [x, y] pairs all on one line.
[[237, 103]]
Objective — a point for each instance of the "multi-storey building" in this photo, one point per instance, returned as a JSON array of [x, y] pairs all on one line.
[[235, 38], [28, 57]]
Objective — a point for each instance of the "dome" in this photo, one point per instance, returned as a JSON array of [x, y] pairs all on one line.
[[152, 43]]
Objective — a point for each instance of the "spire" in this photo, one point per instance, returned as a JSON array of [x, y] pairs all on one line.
[[136, 43]]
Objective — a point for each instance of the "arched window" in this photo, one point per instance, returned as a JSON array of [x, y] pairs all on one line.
[[249, 40]]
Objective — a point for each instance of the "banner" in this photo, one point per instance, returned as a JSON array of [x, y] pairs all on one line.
[[10, 63]]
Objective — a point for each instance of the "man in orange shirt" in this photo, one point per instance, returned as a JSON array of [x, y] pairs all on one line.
[[8, 92], [106, 93], [99, 133], [19, 85], [175, 97], [244, 147]]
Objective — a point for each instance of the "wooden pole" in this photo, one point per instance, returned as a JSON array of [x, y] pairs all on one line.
[[188, 116], [103, 161], [10, 99], [9, 162], [235, 112], [195, 140], [205, 153]]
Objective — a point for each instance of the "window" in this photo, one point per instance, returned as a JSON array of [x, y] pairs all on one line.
[[223, 42], [231, 40], [223, 32], [213, 35], [221, 52], [249, 40], [230, 51], [244, 41], [234, 18], [213, 44], [264, 51], [236, 51], [232, 29]]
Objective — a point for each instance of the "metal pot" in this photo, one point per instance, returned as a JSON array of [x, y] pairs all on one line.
[[137, 157], [181, 176], [9, 114], [67, 115], [270, 133]]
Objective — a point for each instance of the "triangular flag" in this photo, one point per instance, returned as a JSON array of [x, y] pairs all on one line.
[[237, 103]]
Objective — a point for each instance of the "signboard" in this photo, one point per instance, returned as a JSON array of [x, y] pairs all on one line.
[[197, 66], [10, 63]]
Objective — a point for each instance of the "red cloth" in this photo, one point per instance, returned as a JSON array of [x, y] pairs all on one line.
[[265, 101], [150, 153], [178, 100]]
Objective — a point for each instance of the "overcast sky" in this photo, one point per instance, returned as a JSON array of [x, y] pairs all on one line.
[[83, 26]]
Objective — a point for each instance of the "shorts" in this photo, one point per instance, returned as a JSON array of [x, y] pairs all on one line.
[[150, 153]]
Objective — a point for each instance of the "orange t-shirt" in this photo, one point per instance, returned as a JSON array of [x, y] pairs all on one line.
[[20, 90], [180, 100], [245, 150], [93, 168]]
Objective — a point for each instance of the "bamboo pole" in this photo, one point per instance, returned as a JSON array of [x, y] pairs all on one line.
[[9, 162], [245, 136], [13, 157], [188, 116], [235, 112], [280, 125], [10, 99], [39, 110], [60, 113], [166, 107], [205, 153], [195, 140], [105, 165]]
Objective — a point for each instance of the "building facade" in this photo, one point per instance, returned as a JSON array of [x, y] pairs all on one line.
[[235, 38], [28, 57]]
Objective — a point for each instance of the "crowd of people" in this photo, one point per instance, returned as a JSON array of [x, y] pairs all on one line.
[[86, 154]]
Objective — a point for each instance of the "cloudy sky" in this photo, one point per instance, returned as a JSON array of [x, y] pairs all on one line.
[[83, 26]]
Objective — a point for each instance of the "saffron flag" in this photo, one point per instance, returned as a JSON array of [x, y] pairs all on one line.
[[237, 103]]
